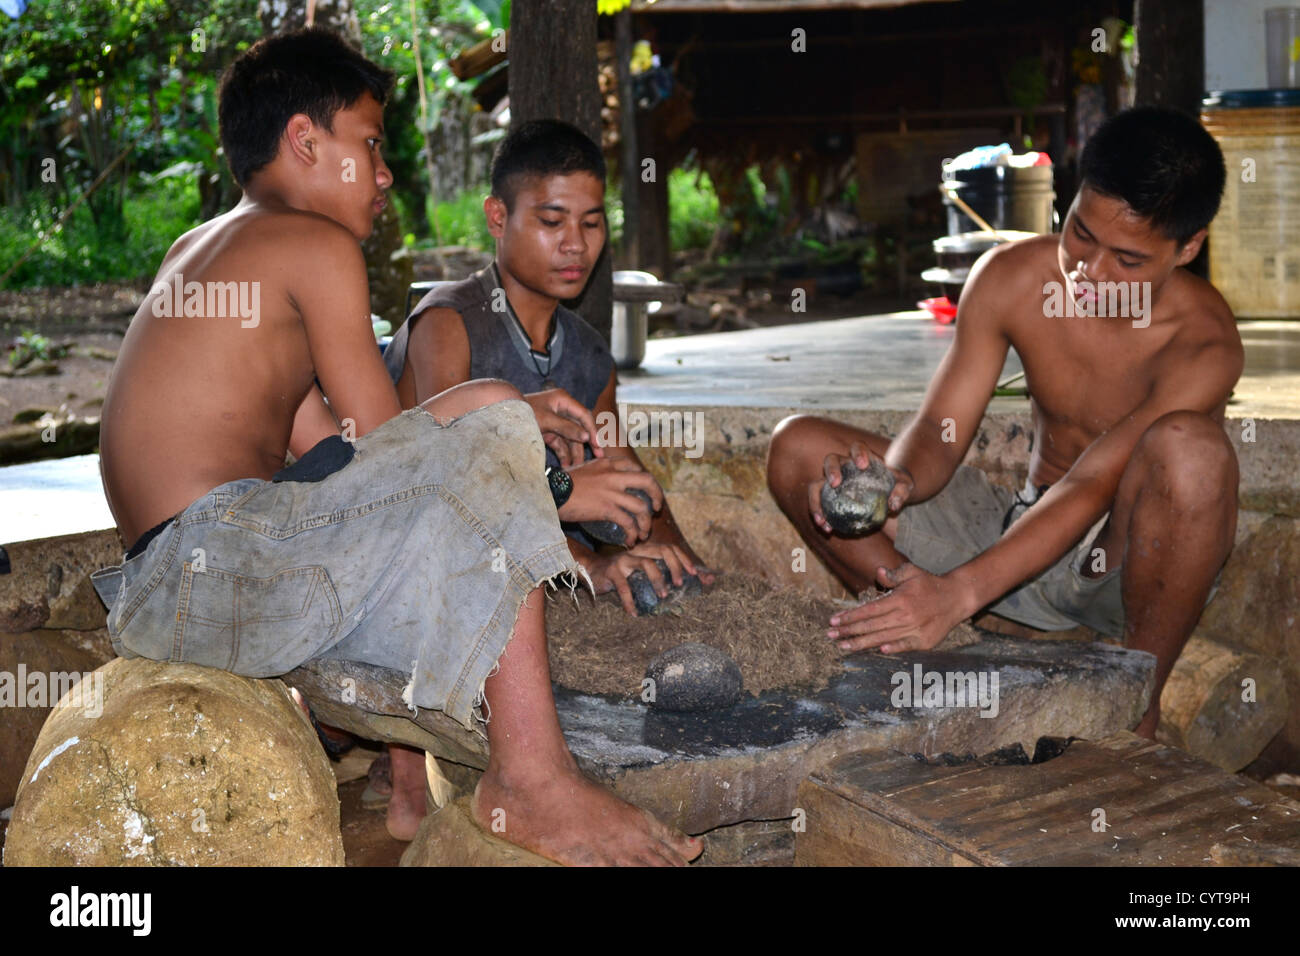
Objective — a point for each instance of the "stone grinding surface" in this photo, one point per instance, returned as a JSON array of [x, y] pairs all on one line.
[[777, 636]]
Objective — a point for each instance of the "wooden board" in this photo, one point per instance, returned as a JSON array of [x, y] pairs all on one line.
[[1162, 807]]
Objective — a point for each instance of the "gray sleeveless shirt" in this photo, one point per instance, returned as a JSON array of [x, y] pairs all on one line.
[[579, 361]]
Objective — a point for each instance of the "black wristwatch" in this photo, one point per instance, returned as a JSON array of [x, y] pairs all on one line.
[[561, 485]]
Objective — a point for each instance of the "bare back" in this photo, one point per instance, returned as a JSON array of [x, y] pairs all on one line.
[[217, 361]]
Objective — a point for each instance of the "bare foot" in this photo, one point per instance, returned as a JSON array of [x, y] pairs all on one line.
[[567, 818], [1147, 728], [407, 806]]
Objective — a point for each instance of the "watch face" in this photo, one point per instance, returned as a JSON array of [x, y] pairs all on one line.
[[561, 485]]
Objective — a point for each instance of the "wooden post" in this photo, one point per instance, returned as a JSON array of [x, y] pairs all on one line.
[[553, 74], [1171, 54], [652, 204], [629, 160]]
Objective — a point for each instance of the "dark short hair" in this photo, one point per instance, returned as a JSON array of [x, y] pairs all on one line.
[[541, 148], [312, 71], [1162, 163]]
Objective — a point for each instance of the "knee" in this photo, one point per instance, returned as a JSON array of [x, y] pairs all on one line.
[[786, 450], [1193, 457], [489, 391]]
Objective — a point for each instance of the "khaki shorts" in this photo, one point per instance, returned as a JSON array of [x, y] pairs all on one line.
[[415, 555], [967, 518]]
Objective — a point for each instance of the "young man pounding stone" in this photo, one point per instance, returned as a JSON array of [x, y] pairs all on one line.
[[1130, 506], [388, 541]]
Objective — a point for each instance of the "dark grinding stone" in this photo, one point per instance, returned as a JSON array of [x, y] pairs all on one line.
[[648, 602], [694, 676], [4, 561], [607, 531], [861, 502]]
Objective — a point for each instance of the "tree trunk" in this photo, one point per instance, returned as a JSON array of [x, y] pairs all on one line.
[[388, 265], [553, 76]]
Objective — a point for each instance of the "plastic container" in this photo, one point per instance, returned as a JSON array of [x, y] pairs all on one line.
[[1008, 197], [1255, 239], [1282, 46]]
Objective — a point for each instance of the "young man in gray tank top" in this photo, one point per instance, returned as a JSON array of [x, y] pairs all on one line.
[[547, 214], [507, 321]]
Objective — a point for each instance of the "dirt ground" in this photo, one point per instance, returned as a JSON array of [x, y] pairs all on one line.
[[96, 317], [90, 319]]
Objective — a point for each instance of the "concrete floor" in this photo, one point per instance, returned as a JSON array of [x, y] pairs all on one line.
[[872, 362], [885, 362]]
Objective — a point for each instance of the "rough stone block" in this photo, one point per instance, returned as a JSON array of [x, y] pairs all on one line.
[[450, 837], [185, 765], [31, 666]]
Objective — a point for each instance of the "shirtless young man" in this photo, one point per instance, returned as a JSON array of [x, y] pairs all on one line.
[[1128, 427], [378, 545]]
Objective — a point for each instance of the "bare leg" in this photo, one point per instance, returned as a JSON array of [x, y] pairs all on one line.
[[1173, 525], [533, 793], [407, 806], [795, 457]]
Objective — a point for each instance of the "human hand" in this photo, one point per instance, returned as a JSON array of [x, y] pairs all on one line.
[[862, 458], [611, 574], [915, 615], [566, 424], [679, 558], [601, 492]]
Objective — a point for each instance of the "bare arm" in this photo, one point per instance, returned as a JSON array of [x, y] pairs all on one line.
[[333, 297], [312, 422], [959, 392], [438, 352]]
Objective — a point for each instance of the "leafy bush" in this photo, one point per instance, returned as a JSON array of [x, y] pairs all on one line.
[[692, 209], [461, 221], [155, 216]]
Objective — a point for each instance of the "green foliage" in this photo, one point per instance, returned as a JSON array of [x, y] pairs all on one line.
[[692, 209], [155, 215], [31, 346], [461, 221]]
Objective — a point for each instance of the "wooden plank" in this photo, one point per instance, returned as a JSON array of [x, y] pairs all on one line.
[[1161, 807]]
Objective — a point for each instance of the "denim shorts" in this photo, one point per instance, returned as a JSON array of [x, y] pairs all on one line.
[[416, 556], [969, 516]]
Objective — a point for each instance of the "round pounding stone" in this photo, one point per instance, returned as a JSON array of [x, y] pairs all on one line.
[[694, 676], [861, 502], [608, 532], [649, 602], [176, 765]]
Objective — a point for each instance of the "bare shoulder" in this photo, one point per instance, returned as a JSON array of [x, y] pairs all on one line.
[[439, 335], [1205, 318], [1007, 283], [300, 235], [1207, 343], [441, 324]]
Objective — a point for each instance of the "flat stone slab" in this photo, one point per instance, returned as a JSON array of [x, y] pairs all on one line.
[[703, 770]]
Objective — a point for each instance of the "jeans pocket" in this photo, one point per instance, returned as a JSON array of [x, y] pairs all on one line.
[[258, 627]]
